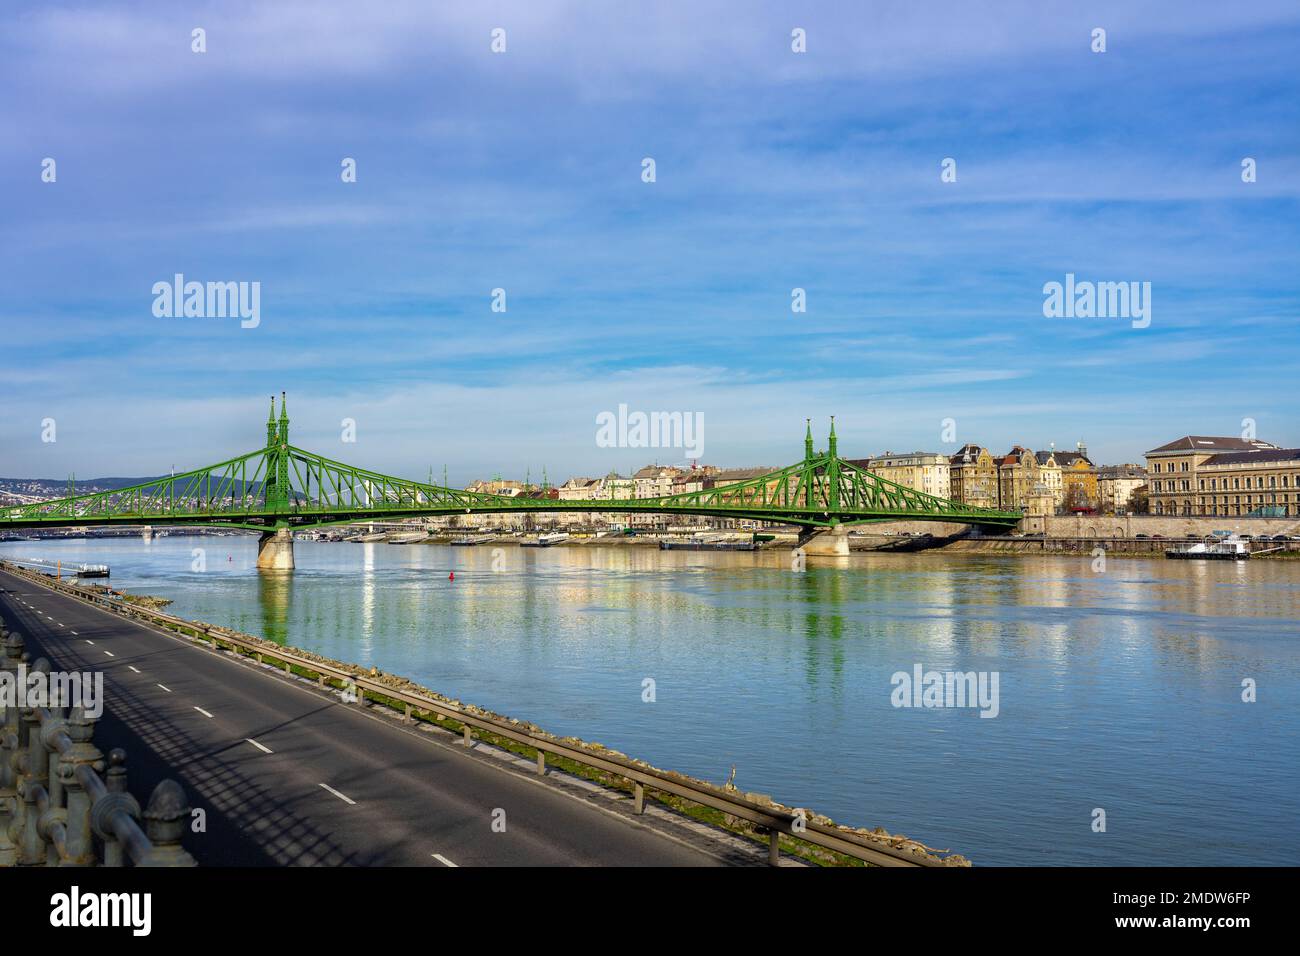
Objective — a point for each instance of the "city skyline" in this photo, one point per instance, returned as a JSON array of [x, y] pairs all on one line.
[[523, 170]]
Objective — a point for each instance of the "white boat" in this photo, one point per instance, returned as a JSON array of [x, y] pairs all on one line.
[[1231, 548], [545, 540]]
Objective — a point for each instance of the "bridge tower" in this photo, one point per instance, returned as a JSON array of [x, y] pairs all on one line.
[[832, 541], [275, 548], [833, 470], [282, 460], [808, 456]]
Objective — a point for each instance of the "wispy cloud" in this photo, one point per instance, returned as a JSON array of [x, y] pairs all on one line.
[[522, 171]]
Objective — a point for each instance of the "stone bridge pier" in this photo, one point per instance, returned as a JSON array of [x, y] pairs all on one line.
[[825, 542], [275, 550]]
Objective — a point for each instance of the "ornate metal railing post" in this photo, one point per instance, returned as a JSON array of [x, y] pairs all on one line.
[[166, 819], [33, 776], [12, 647], [118, 798], [80, 728], [52, 814]]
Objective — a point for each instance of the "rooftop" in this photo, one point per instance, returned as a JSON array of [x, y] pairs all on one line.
[[1250, 457], [1211, 443]]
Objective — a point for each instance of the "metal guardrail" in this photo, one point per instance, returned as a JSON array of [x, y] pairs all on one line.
[[55, 807], [775, 820]]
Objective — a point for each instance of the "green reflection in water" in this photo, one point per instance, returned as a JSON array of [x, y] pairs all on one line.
[[273, 596]]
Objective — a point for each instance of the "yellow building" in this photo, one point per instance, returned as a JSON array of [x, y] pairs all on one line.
[[1017, 477], [973, 477], [1078, 478]]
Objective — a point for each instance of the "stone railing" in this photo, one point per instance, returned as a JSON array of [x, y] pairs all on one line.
[[61, 803]]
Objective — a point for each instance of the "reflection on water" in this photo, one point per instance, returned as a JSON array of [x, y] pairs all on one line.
[[273, 591], [1118, 690]]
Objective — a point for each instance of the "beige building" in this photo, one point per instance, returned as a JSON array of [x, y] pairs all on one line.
[[506, 487], [654, 481], [973, 477], [597, 489], [1017, 478], [1262, 483], [577, 489], [1175, 472], [925, 471], [1115, 486], [1049, 479]]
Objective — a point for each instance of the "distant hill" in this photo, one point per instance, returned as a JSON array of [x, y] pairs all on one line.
[[55, 488], [19, 490]]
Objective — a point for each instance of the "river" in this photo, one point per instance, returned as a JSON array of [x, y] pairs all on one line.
[[1119, 690]]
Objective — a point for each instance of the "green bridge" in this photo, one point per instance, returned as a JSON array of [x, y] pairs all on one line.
[[279, 488]]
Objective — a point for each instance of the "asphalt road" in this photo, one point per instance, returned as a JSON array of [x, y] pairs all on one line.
[[291, 776]]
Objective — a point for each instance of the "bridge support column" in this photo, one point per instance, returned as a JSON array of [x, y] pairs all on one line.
[[830, 542], [275, 550]]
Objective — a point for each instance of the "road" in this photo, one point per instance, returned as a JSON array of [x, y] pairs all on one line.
[[289, 775]]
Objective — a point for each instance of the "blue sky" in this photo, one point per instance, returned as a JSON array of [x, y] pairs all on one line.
[[522, 170]]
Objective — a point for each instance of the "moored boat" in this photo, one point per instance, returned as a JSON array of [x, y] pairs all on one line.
[[1231, 548]]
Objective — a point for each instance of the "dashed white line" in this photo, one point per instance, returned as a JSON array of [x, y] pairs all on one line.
[[110, 654], [133, 667], [202, 711], [265, 750], [73, 633], [444, 861], [168, 689], [90, 642], [342, 796]]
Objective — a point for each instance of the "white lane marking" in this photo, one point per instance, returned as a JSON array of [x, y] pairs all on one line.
[[202, 711], [60, 625], [74, 633], [90, 642], [168, 689], [444, 861], [344, 797], [133, 667], [265, 750], [110, 654]]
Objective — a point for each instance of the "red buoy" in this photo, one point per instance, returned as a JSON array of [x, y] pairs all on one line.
[[452, 576]]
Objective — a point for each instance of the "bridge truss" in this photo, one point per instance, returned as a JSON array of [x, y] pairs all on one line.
[[283, 486]]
